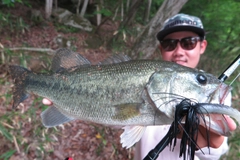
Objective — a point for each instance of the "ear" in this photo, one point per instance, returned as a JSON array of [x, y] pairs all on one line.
[[203, 46]]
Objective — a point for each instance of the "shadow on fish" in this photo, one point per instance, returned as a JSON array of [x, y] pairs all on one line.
[[122, 92]]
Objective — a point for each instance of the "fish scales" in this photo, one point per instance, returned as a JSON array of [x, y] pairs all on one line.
[[109, 85]]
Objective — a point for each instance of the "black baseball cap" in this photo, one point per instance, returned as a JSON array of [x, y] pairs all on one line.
[[181, 22]]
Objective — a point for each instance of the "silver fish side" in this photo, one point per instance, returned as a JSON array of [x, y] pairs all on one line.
[[117, 94], [108, 94]]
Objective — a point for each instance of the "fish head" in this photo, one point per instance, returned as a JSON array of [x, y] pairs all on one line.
[[167, 88]]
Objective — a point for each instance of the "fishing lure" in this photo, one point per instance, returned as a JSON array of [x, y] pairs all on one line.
[[192, 113]]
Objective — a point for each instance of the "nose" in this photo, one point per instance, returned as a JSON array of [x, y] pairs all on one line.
[[178, 50]]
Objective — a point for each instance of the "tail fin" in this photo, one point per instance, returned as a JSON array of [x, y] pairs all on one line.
[[18, 75]]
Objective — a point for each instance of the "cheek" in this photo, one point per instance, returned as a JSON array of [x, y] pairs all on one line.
[[167, 56], [194, 59]]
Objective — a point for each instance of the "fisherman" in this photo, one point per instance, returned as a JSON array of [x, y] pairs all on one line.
[[182, 41]]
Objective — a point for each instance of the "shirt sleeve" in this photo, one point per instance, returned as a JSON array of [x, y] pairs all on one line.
[[212, 153]]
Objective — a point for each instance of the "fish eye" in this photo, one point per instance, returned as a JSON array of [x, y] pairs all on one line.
[[202, 79]]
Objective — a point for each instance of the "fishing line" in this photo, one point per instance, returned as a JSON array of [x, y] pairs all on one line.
[[234, 79]]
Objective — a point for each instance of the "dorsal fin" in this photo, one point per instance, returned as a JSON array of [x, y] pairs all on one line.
[[117, 58], [65, 59]]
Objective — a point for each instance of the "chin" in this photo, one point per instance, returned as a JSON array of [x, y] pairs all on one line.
[[183, 63]]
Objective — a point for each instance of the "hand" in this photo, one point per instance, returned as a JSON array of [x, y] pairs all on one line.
[[47, 102], [215, 140]]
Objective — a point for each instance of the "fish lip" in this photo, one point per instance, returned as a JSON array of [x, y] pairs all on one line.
[[220, 94], [224, 92]]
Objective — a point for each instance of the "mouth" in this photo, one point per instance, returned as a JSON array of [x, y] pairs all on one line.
[[181, 62]]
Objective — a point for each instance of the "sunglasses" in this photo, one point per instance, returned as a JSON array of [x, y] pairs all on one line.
[[187, 43]]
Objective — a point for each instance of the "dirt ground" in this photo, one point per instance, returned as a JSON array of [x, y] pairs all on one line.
[[77, 139]]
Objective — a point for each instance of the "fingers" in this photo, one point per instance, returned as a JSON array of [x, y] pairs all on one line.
[[231, 124], [47, 102]]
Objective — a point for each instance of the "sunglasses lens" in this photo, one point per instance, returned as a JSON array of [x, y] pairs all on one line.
[[189, 43], [169, 44]]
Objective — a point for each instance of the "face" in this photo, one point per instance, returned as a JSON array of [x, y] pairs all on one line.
[[188, 58]]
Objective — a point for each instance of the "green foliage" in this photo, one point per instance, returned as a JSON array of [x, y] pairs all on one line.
[[12, 24], [39, 136], [65, 29], [10, 3], [104, 12], [221, 20], [156, 4], [5, 132], [7, 154]]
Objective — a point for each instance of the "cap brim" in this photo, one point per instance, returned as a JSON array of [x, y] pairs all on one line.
[[165, 32]]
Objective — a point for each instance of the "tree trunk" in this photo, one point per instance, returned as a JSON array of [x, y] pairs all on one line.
[[122, 11], [84, 8], [147, 11], [147, 43], [131, 13], [48, 8], [78, 5], [127, 20]]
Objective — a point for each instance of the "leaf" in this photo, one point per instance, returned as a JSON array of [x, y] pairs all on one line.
[[5, 132], [98, 136], [7, 154], [235, 49]]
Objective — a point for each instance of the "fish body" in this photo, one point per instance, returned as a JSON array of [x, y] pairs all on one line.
[[130, 93], [107, 94]]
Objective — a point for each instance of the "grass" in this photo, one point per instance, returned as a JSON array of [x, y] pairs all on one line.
[[65, 29], [21, 130], [25, 127], [12, 24]]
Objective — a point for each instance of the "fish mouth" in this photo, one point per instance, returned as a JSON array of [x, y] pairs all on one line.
[[218, 123], [224, 92], [220, 94]]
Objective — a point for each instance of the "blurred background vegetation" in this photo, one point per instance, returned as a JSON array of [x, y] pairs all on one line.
[[119, 29]]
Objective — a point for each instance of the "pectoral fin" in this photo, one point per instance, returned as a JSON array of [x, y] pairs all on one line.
[[131, 135], [52, 117]]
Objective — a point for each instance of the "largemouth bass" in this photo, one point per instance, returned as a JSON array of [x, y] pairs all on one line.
[[119, 92]]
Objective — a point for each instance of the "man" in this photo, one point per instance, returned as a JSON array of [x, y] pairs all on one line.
[[182, 41]]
